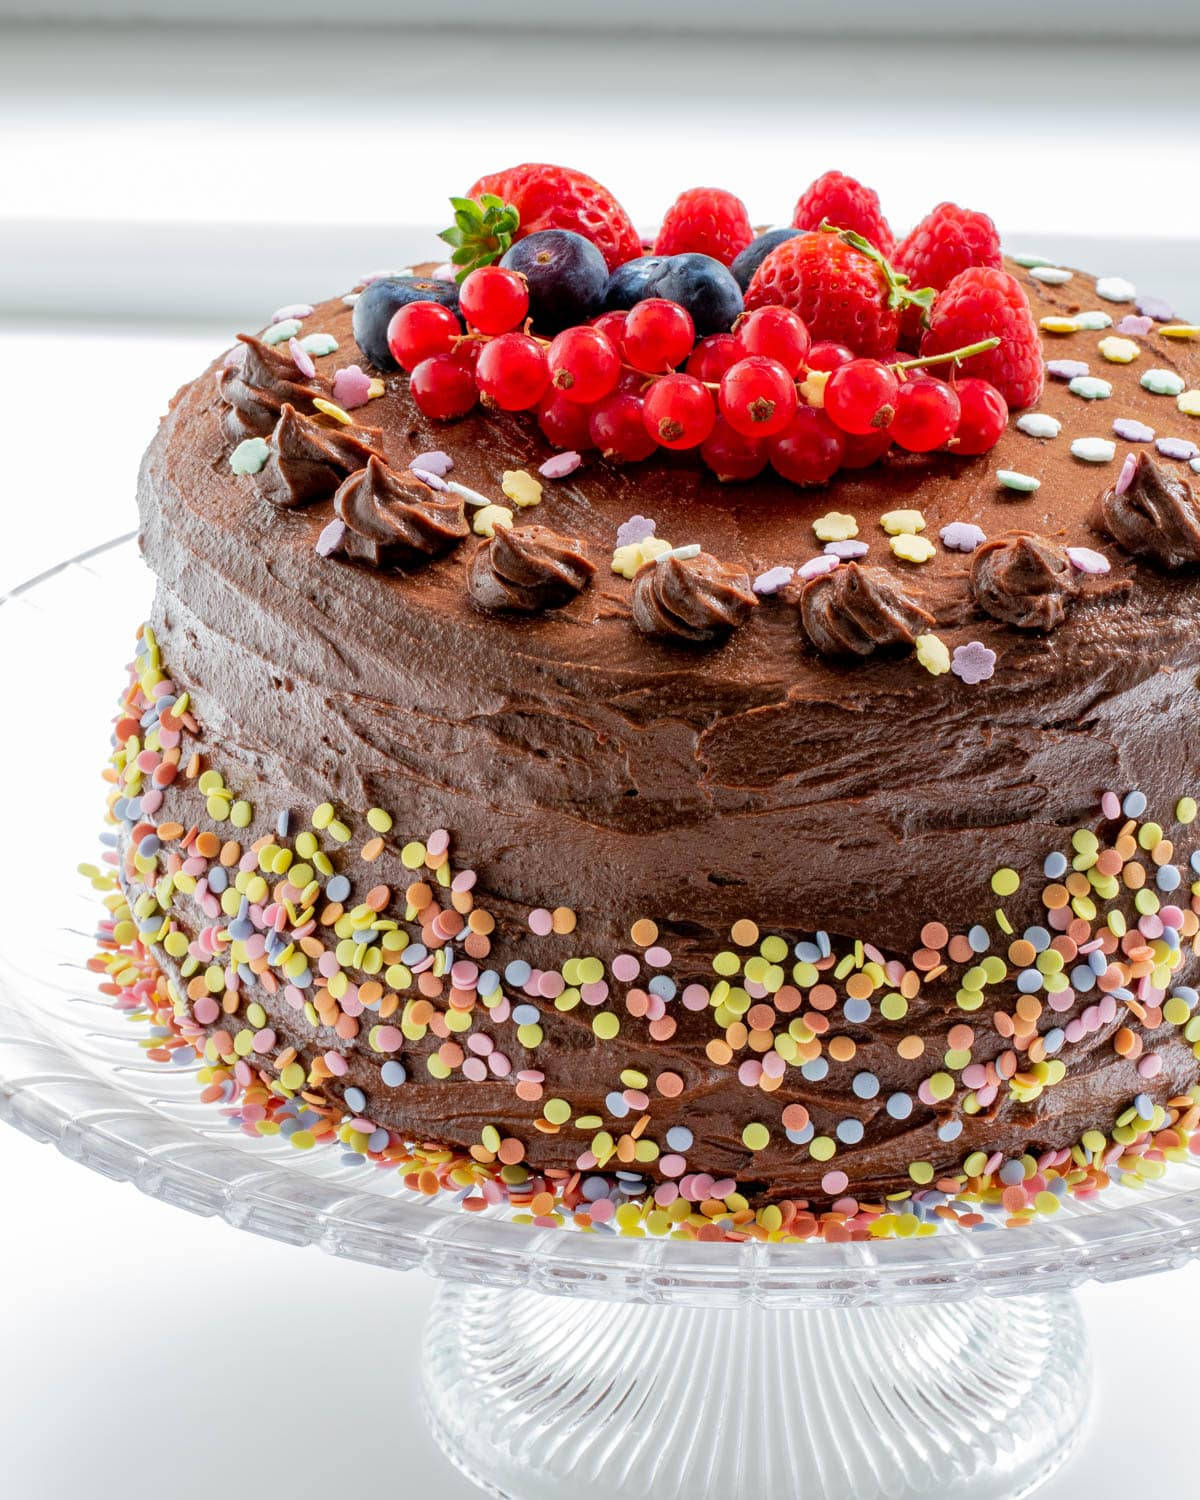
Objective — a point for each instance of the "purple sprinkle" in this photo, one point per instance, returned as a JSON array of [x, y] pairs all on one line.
[[817, 567], [848, 550], [427, 476], [773, 579], [1177, 448], [1156, 308], [560, 465], [973, 662], [1088, 561], [1128, 470], [331, 538], [635, 530], [434, 462], [1066, 369], [962, 536], [351, 387], [1139, 327], [300, 358], [1133, 431], [292, 310]]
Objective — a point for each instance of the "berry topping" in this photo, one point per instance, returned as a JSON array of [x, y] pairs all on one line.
[[704, 286], [494, 300], [612, 325], [564, 423], [708, 221], [757, 396], [946, 241], [381, 299], [730, 455], [549, 197], [810, 448], [926, 416], [512, 372], [983, 417], [443, 387], [584, 365], [618, 429], [756, 252], [565, 275], [984, 303], [863, 450], [826, 356], [420, 330], [779, 334], [630, 283], [678, 411], [658, 336], [846, 204], [860, 397], [712, 356]]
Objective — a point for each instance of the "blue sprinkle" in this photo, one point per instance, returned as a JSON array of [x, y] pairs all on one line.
[[526, 1015], [289, 1126], [663, 985], [807, 953], [801, 1137], [594, 1188], [1144, 1106], [1038, 938], [414, 953], [218, 879], [1054, 865], [1195, 861], [824, 944], [150, 844], [1083, 978], [1054, 1039], [337, 888], [978, 939], [1012, 1173], [1187, 994], [283, 823], [393, 1073], [518, 972], [1168, 878], [1098, 962], [1134, 804], [849, 1132], [377, 1140], [899, 1106], [1029, 981], [865, 1085], [950, 1130], [680, 1138], [488, 982], [356, 1100], [352, 1159], [857, 1011], [816, 1070], [616, 1105]]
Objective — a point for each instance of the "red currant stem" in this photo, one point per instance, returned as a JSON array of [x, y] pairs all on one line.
[[957, 355]]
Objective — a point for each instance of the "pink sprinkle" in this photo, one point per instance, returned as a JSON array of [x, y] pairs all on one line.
[[1135, 325], [463, 974], [264, 1040], [206, 1010], [463, 881], [331, 538], [595, 992], [636, 529], [625, 968], [301, 359], [749, 1072], [666, 1192], [551, 985], [1150, 1066], [695, 997], [1087, 560], [817, 567], [1128, 470], [336, 1064], [351, 388], [658, 957], [672, 1166], [389, 1039], [478, 1042], [475, 1069], [560, 465], [437, 842], [499, 1064], [540, 921], [1110, 805], [835, 1182]]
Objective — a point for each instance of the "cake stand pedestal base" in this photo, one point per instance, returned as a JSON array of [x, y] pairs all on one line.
[[535, 1397]]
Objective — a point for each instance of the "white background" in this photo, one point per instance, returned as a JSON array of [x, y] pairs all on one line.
[[160, 189]]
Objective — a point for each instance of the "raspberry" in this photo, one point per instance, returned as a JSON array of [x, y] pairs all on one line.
[[548, 197], [945, 242], [839, 291], [708, 221], [846, 204], [982, 303]]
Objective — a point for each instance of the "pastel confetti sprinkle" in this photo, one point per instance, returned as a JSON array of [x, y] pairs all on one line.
[[962, 536], [835, 527], [332, 410], [250, 456], [1135, 325], [351, 387], [559, 465], [1128, 470], [1094, 450], [1119, 351], [913, 549], [1093, 322], [848, 550], [428, 476], [973, 662], [1086, 560], [1051, 275], [331, 537], [773, 579], [897, 522], [1039, 424], [1177, 448], [521, 488], [1009, 479], [488, 517], [1065, 369], [1129, 430], [1156, 308], [1058, 324], [1090, 388], [1181, 331], [816, 567], [301, 358], [291, 312], [1189, 403], [319, 344], [1115, 289], [282, 332], [636, 529], [1164, 383], [433, 462], [933, 654]]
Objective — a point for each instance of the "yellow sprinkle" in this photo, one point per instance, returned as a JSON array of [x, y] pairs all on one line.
[[813, 388], [634, 555], [332, 409], [1005, 881], [375, 389], [521, 488], [933, 654], [606, 1025], [756, 1137], [896, 521], [1059, 325], [379, 820], [1118, 352], [835, 527], [1181, 331], [1185, 810], [488, 517], [241, 814], [913, 549], [1189, 403]]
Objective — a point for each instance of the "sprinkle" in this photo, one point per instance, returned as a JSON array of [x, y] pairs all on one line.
[[933, 654], [1093, 322], [1051, 275], [1132, 324], [817, 567], [973, 662], [1156, 308], [1177, 448], [835, 526], [1181, 331], [1029, 261], [377, 388], [684, 554], [1039, 424], [352, 387], [521, 488], [435, 462], [1189, 403], [848, 550], [1128, 470], [1006, 882], [427, 476], [319, 344], [962, 536], [249, 456], [1119, 351], [559, 465], [489, 517], [1090, 388], [1094, 450], [1011, 480], [1195, 465], [281, 332], [898, 522], [1185, 810], [1164, 383], [1087, 560], [1065, 369], [635, 530], [1058, 324], [913, 549], [331, 537], [466, 493], [756, 1137], [292, 311], [332, 410], [1115, 289], [627, 559], [301, 358], [773, 579], [1132, 431]]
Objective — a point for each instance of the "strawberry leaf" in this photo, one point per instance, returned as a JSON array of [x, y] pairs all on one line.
[[482, 231]]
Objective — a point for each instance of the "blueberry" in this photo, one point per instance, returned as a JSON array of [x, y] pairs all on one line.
[[374, 308], [756, 252], [704, 286], [628, 283], [565, 274]]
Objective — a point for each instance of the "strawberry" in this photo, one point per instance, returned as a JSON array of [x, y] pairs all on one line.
[[706, 221], [945, 242], [548, 197], [846, 204], [840, 285], [980, 303]]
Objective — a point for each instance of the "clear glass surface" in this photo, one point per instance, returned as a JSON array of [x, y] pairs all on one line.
[[915, 1390]]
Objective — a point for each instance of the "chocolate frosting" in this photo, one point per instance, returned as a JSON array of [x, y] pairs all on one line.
[[258, 384], [855, 611], [394, 518], [691, 598], [1154, 516], [311, 455], [1023, 580], [528, 568]]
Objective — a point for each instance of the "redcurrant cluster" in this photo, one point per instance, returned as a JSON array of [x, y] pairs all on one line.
[[631, 382]]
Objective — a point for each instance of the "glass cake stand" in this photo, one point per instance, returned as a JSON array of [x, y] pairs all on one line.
[[557, 1361]]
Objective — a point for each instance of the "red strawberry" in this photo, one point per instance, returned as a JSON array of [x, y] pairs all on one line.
[[705, 221], [945, 242], [840, 291], [549, 197], [983, 303], [846, 204]]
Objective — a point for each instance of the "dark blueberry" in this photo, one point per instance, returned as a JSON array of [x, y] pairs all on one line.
[[565, 274], [374, 308], [704, 286], [756, 252], [628, 283]]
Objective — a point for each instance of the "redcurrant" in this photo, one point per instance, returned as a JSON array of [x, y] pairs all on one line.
[[564, 423], [810, 448], [658, 335], [757, 396], [826, 356], [494, 300], [861, 396], [865, 449], [612, 325], [679, 411], [420, 330], [584, 366], [443, 387], [618, 429], [512, 371], [927, 412], [712, 356], [778, 333], [730, 455], [983, 417]]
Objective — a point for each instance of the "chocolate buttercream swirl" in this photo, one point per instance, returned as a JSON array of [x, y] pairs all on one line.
[[310, 457], [1151, 514], [691, 598], [856, 611], [1024, 580], [392, 518], [255, 388], [528, 568]]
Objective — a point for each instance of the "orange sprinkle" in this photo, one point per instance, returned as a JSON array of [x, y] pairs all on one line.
[[644, 932], [371, 850]]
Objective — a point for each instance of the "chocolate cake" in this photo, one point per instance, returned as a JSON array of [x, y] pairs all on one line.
[[634, 848]]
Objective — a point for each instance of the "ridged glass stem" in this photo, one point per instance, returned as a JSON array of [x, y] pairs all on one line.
[[535, 1397]]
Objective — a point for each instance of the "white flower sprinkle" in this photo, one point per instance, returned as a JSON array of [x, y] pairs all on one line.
[[1115, 289], [1039, 424], [1094, 450], [1051, 275]]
